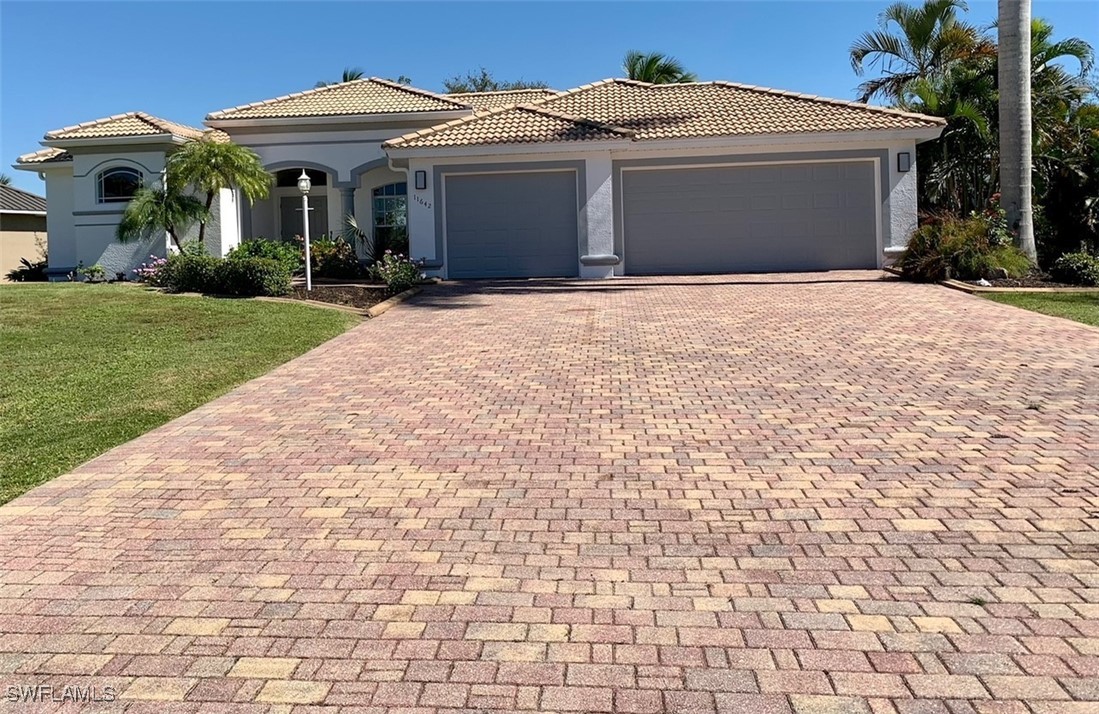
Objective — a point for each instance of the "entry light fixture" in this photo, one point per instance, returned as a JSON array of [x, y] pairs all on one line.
[[904, 162], [304, 184], [421, 180]]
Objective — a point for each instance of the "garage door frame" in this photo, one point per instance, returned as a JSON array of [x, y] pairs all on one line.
[[879, 159], [444, 171]]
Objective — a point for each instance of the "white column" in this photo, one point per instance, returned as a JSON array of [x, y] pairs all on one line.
[[597, 256]]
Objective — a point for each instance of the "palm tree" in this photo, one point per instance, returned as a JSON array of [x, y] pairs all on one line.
[[210, 166], [655, 68], [350, 74], [1016, 165], [926, 42], [5, 180], [156, 209]]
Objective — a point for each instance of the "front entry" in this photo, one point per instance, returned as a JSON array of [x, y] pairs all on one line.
[[290, 217]]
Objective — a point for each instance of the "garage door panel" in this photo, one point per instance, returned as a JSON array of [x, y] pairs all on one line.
[[511, 225], [750, 218]]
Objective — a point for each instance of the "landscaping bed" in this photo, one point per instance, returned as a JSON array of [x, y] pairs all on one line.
[[1034, 279], [358, 296]]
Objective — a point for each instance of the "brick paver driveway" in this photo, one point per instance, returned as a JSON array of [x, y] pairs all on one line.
[[811, 494]]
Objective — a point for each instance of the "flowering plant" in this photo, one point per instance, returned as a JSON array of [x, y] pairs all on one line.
[[398, 272], [150, 272]]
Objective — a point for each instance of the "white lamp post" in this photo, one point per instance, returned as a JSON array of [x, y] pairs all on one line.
[[304, 184]]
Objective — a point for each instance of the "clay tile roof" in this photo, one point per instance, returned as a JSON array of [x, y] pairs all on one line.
[[672, 111], [493, 100], [16, 199], [361, 96], [45, 156], [217, 136], [125, 125], [526, 124]]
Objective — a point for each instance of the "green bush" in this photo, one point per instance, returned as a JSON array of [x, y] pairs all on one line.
[[187, 273], [333, 258], [286, 253], [1077, 269], [963, 248], [251, 276], [398, 272]]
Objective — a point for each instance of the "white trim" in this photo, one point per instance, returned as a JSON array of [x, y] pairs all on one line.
[[379, 118], [874, 161], [22, 213], [116, 140], [443, 175]]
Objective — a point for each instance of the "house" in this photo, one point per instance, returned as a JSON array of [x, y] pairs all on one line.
[[22, 227], [616, 177]]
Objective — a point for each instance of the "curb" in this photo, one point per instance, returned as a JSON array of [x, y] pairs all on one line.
[[389, 303], [977, 289]]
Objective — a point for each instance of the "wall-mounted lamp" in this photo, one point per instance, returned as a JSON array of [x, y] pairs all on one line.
[[421, 180], [904, 162]]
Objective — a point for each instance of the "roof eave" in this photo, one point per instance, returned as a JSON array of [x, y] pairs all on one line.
[[40, 166], [386, 117], [152, 139], [863, 136], [22, 213]]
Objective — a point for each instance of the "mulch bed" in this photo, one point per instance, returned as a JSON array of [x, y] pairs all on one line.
[[359, 296]]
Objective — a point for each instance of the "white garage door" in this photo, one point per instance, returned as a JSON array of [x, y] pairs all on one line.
[[516, 225], [763, 218]]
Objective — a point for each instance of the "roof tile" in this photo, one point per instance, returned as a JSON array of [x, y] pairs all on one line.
[[361, 96], [48, 155], [125, 125], [16, 199], [493, 100]]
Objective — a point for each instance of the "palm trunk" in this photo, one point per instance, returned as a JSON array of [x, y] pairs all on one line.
[[1015, 121], [202, 223]]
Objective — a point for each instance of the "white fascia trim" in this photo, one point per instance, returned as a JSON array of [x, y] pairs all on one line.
[[152, 139], [45, 166], [443, 116], [23, 213], [564, 147]]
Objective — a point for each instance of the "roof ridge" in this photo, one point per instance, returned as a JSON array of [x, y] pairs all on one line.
[[824, 100], [501, 91], [436, 128], [584, 88], [416, 90], [166, 126], [45, 153], [86, 124], [576, 119]]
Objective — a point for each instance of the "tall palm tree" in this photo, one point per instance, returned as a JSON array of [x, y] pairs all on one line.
[[210, 166], [920, 42], [1014, 69], [655, 68], [155, 210]]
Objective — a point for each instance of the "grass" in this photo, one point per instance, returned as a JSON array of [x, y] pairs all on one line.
[[84, 368], [1081, 307]]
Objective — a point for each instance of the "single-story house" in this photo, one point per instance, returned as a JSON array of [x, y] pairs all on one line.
[[617, 177], [22, 227]]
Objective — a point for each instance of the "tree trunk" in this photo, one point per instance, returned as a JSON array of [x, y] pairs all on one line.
[[202, 223], [1015, 121]]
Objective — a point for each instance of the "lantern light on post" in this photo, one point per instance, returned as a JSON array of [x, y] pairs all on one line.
[[304, 184]]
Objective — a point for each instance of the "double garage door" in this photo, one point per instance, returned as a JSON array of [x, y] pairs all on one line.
[[758, 218]]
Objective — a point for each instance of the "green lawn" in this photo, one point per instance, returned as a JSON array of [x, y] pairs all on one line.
[[86, 367], [1081, 307]]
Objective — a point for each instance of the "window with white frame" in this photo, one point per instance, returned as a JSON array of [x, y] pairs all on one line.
[[390, 209], [118, 185]]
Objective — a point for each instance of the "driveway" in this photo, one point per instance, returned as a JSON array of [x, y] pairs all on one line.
[[821, 494]]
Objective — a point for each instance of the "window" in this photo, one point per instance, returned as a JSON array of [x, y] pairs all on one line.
[[288, 178], [118, 185], [390, 210]]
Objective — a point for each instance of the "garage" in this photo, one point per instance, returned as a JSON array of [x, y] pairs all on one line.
[[511, 225], [750, 218]]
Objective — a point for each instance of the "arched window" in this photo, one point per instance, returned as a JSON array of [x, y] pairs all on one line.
[[390, 208], [118, 184]]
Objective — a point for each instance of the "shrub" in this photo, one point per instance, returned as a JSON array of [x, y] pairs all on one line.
[[965, 248], [94, 273], [398, 272], [333, 258], [150, 272], [29, 272], [1076, 268], [284, 252], [182, 273], [251, 276]]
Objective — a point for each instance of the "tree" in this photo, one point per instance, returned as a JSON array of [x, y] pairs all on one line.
[[210, 166], [5, 180], [655, 68], [156, 209], [1016, 164], [350, 74], [483, 81], [913, 43]]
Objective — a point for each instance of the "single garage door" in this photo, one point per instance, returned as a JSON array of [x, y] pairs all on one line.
[[518, 225], [762, 218]]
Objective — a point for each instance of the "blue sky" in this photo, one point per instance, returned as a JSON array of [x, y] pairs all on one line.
[[63, 63]]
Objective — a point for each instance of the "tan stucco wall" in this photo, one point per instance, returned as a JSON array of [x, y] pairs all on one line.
[[15, 245]]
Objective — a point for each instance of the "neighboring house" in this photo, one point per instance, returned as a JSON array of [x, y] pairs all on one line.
[[22, 227], [612, 178]]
